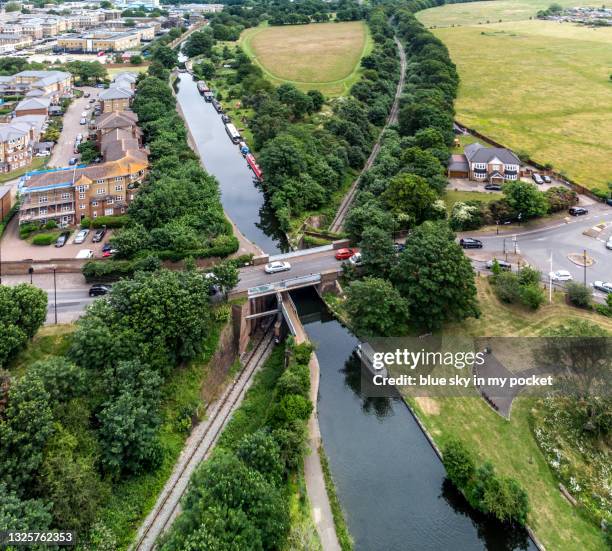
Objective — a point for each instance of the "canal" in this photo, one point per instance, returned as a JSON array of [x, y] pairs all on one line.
[[242, 198], [390, 482]]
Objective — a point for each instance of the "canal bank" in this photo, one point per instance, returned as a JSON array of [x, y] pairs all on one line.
[[390, 481]]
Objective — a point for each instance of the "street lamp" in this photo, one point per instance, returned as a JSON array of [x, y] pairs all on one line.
[[31, 272], [584, 262], [54, 295]]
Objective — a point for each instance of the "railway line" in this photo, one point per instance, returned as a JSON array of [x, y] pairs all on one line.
[[199, 446]]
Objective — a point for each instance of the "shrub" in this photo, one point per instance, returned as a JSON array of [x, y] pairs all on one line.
[[25, 230], [506, 286], [43, 239], [531, 295], [458, 462], [51, 225], [579, 295]]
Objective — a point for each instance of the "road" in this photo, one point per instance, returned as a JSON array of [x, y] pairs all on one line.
[[64, 149]]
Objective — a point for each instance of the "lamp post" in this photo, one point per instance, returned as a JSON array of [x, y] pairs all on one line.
[[54, 295], [584, 262]]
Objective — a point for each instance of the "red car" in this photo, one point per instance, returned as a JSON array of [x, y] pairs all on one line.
[[345, 254]]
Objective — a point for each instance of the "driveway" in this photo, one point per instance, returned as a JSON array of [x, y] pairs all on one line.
[[64, 149]]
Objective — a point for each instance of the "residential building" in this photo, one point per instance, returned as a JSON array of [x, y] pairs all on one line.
[[14, 41], [124, 120], [33, 28], [99, 41], [485, 164], [52, 83], [33, 106], [125, 80], [7, 200], [115, 99], [15, 147]]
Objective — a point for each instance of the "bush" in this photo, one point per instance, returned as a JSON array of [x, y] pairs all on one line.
[[108, 221], [25, 230], [506, 286], [532, 295], [51, 225], [579, 295], [43, 239]]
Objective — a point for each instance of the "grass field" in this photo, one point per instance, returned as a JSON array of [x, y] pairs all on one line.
[[510, 444], [112, 71], [538, 87], [322, 56]]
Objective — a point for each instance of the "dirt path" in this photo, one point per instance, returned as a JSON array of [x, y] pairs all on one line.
[[343, 209]]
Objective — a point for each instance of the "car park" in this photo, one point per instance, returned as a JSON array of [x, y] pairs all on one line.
[[501, 263], [537, 178], [99, 290], [277, 266], [98, 235], [546, 178], [604, 286], [493, 187], [560, 275], [81, 236], [578, 211], [470, 243], [344, 254], [62, 239]]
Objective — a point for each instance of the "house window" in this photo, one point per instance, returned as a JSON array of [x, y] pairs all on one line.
[[42, 199], [81, 188], [119, 188], [82, 207], [66, 208], [100, 191], [108, 212], [119, 179], [81, 196], [118, 197], [95, 214], [122, 210], [65, 195], [94, 203], [100, 181], [43, 210], [65, 219], [109, 201]]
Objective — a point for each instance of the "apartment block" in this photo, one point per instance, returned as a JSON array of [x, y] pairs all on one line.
[[99, 41]]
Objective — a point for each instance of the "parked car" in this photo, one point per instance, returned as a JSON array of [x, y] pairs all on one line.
[[62, 239], [72, 161], [356, 260], [85, 253], [344, 254], [537, 178], [109, 252], [81, 236], [501, 263], [493, 187], [470, 243], [99, 290], [609, 201], [45, 153], [609, 243], [83, 121], [604, 286], [277, 266], [546, 178], [106, 247], [92, 100], [399, 247], [98, 235], [578, 211], [560, 275], [86, 94], [100, 85], [79, 137]]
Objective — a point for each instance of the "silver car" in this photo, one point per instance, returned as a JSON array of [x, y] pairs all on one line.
[[605, 286], [609, 243], [81, 237], [277, 266]]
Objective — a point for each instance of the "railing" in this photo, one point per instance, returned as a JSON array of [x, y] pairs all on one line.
[[285, 285]]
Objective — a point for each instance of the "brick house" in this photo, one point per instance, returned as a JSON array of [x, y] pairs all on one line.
[[485, 164], [115, 99], [33, 106], [7, 200]]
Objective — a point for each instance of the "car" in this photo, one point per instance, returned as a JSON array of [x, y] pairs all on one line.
[[470, 243], [81, 236], [106, 247], [85, 253], [560, 275], [399, 247], [546, 178], [92, 100], [537, 178], [277, 266], [578, 211], [609, 201], [609, 243], [108, 253], [98, 235], [87, 107], [501, 263], [62, 239], [356, 260], [225, 118], [86, 94], [79, 137], [84, 113], [344, 254], [605, 286], [43, 154], [99, 290], [493, 187], [100, 85], [83, 121], [72, 161]]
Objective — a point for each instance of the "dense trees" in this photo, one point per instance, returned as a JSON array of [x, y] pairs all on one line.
[[86, 72], [23, 309], [199, 43]]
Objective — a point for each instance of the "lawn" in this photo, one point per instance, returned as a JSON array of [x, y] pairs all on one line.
[[323, 56], [112, 71], [37, 163], [553, 101], [451, 197], [510, 444]]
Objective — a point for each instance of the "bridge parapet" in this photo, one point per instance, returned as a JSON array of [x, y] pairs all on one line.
[[285, 285]]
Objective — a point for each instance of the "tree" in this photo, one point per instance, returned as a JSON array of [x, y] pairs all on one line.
[[435, 277], [459, 463], [24, 515], [579, 295], [317, 98], [376, 308], [226, 275], [199, 43], [377, 252], [136, 60], [88, 151], [261, 452], [87, 71], [130, 241], [165, 56], [12, 6], [368, 214], [410, 195], [206, 69], [525, 199]]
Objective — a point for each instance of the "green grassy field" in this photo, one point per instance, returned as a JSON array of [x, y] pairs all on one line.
[[510, 445], [538, 87], [474, 13], [322, 56]]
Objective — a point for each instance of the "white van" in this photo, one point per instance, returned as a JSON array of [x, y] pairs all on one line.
[[84, 253]]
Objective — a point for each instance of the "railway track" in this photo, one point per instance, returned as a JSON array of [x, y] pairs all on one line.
[[167, 506], [346, 203]]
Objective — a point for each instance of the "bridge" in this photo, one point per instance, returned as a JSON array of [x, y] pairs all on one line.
[[268, 294]]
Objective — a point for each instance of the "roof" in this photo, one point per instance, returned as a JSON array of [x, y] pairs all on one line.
[[57, 75], [35, 93], [131, 77], [12, 132], [33, 103], [4, 190], [29, 121], [478, 153], [115, 93], [458, 163], [117, 119]]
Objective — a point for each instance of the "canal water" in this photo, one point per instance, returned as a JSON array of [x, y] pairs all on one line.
[[242, 198], [390, 482]]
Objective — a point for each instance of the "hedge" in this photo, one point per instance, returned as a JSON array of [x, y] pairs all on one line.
[[111, 270], [108, 221], [44, 239], [223, 245]]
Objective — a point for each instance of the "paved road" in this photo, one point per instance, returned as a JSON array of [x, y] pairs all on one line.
[[64, 149]]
